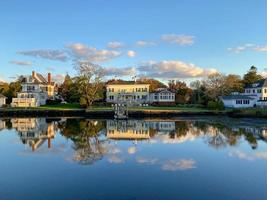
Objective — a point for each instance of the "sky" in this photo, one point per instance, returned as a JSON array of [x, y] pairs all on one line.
[[163, 39]]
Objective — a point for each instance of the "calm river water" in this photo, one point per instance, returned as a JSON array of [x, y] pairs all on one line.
[[182, 158]]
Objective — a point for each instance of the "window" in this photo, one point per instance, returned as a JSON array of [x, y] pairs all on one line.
[[245, 101], [253, 91], [111, 97], [238, 102], [258, 90]]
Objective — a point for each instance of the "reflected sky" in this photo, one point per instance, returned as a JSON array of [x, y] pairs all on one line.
[[183, 158]]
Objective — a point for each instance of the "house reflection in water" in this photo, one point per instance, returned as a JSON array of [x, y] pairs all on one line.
[[34, 131], [2, 124], [127, 130], [137, 129]]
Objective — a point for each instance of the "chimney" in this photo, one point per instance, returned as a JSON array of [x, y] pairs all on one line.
[[33, 74], [49, 77]]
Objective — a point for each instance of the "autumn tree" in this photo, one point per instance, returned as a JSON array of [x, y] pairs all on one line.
[[182, 92], [233, 83], [215, 86], [251, 76], [89, 82], [153, 83]]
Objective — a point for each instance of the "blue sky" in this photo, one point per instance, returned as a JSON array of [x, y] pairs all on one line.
[[170, 39]]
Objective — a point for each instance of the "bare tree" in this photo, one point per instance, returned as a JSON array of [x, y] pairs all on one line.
[[90, 82]]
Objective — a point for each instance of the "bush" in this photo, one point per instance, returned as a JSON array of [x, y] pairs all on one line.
[[215, 105], [53, 101]]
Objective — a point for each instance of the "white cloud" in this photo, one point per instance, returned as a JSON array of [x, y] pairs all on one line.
[[182, 40], [58, 78], [250, 157], [81, 51], [173, 69], [115, 71], [114, 45], [248, 47], [20, 62], [132, 150], [115, 159], [143, 43], [46, 54], [262, 48], [131, 54], [183, 164], [148, 161]]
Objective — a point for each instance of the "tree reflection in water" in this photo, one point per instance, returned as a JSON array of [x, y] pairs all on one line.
[[92, 139], [85, 135]]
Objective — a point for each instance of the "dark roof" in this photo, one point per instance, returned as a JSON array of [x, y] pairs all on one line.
[[163, 90], [230, 97], [259, 83]]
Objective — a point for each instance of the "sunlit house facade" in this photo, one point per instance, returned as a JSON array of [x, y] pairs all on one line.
[[36, 90], [132, 92]]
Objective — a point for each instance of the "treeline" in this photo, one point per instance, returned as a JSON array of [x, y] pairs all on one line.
[[88, 87]]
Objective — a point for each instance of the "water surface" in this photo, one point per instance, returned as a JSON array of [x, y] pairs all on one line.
[[183, 158]]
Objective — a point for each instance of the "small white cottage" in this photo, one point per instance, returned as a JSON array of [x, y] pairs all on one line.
[[239, 101], [2, 100]]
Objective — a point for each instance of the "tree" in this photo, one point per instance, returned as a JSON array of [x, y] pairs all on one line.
[[233, 83], [69, 90], [182, 92], [251, 76], [89, 82], [215, 86], [154, 84], [13, 89]]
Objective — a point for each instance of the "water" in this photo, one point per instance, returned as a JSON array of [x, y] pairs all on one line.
[[183, 158]]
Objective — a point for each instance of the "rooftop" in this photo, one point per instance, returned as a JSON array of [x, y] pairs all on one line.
[[246, 97], [259, 83]]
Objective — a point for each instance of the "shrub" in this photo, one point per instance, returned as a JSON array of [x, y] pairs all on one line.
[[53, 101], [215, 105]]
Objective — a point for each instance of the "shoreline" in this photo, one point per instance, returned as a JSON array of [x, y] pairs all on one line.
[[109, 114]]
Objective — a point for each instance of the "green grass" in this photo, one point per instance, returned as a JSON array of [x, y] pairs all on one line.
[[69, 106]]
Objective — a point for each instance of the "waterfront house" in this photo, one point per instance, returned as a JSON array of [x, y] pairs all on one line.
[[162, 96], [255, 94], [34, 131], [2, 100], [132, 92], [36, 90]]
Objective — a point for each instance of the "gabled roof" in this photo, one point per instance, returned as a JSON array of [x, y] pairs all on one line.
[[161, 90], [257, 84], [39, 78], [233, 97]]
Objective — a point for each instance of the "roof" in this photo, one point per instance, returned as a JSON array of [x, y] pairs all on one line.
[[127, 83], [2, 96], [163, 90], [257, 84], [40, 78], [232, 97]]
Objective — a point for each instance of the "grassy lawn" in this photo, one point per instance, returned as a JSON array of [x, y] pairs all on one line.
[[70, 106], [170, 108]]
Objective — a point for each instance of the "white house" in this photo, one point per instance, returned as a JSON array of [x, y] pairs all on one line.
[[254, 95], [2, 100], [136, 93], [239, 101], [35, 91], [162, 96]]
